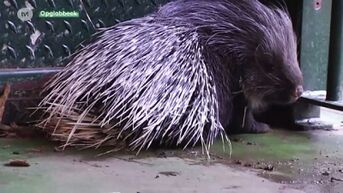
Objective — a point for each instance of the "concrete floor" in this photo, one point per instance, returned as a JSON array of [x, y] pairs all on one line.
[[309, 161]]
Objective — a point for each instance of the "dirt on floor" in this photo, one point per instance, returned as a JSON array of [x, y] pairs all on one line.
[[277, 162]]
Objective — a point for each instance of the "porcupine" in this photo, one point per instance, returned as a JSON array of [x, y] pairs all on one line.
[[182, 75]]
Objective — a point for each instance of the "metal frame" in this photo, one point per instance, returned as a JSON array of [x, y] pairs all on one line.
[[335, 62]]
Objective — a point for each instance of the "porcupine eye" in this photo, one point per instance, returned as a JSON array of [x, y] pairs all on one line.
[[267, 64]]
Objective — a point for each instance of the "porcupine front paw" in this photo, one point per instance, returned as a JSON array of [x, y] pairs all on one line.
[[255, 127], [250, 125], [244, 122]]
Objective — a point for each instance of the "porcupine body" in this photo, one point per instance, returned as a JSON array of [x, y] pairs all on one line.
[[173, 76]]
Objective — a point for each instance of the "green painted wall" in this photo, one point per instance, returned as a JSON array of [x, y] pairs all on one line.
[[315, 43]]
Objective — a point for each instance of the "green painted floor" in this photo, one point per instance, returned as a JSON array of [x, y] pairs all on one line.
[[280, 161]]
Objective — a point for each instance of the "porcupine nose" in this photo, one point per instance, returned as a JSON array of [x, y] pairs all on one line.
[[298, 91]]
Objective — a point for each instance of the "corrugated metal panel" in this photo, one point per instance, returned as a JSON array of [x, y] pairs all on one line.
[[43, 42]]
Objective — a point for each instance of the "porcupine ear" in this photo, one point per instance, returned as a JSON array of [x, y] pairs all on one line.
[[261, 54], [139, 85]]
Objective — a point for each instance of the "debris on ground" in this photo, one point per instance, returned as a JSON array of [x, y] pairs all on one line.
[[251, 143], [17, 163], [257, 165], [169, 173], [333, 179], [96, 165], [162, 155], [247, 165], [236, 139], [326, 173], [268, 167]]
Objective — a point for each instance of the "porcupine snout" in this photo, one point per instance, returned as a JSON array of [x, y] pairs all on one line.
[[298, 91]]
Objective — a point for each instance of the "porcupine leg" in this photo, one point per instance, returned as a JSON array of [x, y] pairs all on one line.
[[243, 120], [250, 125]]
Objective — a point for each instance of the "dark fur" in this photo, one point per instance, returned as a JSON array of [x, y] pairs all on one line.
[[176, 75], [257, 44]]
